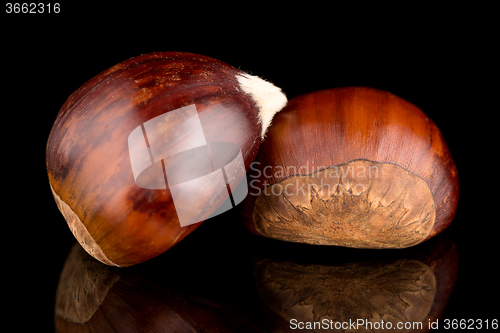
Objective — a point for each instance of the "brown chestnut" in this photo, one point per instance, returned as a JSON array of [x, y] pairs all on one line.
[[355, 167], [115, 150]]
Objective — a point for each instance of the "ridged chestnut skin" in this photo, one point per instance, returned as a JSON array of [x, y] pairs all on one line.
[[411, 195], [88, 160]]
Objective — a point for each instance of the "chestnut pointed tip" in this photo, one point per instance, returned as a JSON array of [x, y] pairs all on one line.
[[268, 98], [80, 231]]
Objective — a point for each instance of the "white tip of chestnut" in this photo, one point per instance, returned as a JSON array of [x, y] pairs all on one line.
[[268, 98]]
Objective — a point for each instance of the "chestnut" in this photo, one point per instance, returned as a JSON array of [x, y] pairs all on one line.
[[113, 155], [355, 167]]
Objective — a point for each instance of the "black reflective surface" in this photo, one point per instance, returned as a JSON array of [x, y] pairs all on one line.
[[222, 278]]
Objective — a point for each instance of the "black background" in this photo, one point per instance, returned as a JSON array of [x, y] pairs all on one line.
[[441, 61]]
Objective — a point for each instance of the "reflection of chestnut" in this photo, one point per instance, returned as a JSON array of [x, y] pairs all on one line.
[[413, 288], [398, 291], [93, 297], [354, 167], [88, 162]]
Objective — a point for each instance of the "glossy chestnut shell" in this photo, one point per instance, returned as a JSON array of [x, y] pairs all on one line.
[[89, 159], [356, 167]]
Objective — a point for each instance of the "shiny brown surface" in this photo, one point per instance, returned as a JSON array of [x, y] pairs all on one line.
[[333, 127], [87, 155]]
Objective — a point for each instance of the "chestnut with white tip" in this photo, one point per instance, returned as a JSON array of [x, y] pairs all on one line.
[[355, 167], [87, 156]]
